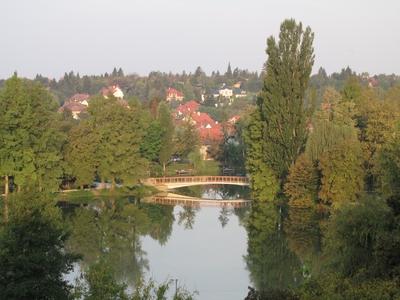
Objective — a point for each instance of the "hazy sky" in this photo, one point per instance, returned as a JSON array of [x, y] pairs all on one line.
[[92, 36]]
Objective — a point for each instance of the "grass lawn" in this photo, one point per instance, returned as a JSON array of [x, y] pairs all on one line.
[[84, 196]]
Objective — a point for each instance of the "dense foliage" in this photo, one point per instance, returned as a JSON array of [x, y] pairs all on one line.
[[339, 214], [32, 257]]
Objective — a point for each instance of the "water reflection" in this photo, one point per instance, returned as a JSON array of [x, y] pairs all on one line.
[[199, 245], [112, 229], [271, 263], [141, 240], [187, 216], [219, 192]]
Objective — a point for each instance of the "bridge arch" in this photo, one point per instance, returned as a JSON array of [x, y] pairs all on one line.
[[164, 183]]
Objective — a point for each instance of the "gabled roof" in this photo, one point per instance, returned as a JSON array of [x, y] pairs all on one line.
[[106, 91], [188, 108], [213, 134], [174, 92], [73, 107], [79, 98], [202, 119]]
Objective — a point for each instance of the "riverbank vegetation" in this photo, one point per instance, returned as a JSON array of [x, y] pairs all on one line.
[[322, 153], [116, 141], [325, 182]]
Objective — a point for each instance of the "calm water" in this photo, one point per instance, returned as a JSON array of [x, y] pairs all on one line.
[[202, 247], [204, 255], [216, 251]]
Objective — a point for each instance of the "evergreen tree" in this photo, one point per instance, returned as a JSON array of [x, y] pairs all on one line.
[[114, 72], [228, 73], [120, 73]]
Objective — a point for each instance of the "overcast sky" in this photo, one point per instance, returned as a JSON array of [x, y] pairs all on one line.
[[51, 37]]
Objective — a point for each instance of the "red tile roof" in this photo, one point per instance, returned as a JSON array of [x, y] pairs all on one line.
[[79, 98], [187, 108], [213, 134], [171, 92], [209, 130], [202, 119], [106, 91], [73, 107]]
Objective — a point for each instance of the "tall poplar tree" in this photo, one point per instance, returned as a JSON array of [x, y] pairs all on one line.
[[281, 106]]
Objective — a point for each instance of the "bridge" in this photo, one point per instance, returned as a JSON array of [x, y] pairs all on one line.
[[167, 183], [175, 199]]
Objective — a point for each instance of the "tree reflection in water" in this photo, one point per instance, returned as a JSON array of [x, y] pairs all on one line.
[[224, 215], [111, 230], [272, 265], [187, 216]]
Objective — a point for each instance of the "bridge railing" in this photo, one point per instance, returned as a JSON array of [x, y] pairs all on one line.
[[196, 179]]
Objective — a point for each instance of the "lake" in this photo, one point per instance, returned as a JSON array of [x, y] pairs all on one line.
[[207, 249], [202, 247]]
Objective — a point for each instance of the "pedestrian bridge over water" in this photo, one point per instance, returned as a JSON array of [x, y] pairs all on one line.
[[167, 183], [176, 199]]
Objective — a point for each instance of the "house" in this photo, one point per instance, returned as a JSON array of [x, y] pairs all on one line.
[[237, 85], [373, 82], [187, 109], [75, 108], [79, 98], [225, 92], [76, 104], [209, 130], [238, 93], [173, 95], [112, 90]]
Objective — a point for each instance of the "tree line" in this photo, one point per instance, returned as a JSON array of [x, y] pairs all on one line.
[[113, 142]]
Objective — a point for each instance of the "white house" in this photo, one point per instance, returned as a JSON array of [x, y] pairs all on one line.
[[225, 92], [113, 90]]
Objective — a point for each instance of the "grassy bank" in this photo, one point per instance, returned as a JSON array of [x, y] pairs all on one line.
[[84, 196]]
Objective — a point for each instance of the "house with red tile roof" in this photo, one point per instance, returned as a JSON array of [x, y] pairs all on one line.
[[75, 108], [76, 104], [79, 98], [173, 95], [113, 90], [187, 109], [210, 131]]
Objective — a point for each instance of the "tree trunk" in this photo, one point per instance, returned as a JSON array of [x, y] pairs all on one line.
[[164, 169], [6, 192], [6, 185], [112, 184]]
